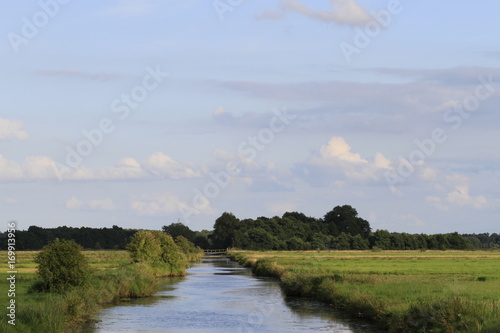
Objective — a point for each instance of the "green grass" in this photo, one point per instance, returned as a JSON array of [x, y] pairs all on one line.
[[401, 291], [114, 278]]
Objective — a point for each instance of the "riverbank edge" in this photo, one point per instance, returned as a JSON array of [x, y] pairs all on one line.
[[77, 307], [435, 316], [136, 280]]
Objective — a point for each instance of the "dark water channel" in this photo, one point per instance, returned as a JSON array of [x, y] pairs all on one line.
[[219, 296]]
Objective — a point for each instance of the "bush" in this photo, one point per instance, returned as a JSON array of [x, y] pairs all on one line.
[[192, 252], [159, 250], [62, 265], [145, 247]]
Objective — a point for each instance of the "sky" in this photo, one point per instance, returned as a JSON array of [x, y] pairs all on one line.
[[144, 113]]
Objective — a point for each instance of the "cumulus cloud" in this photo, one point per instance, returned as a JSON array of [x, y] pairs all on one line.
[[163, 165], [12, 130], [342, 12], [381, 162], [168, 204], [95, 205], [336, 162], [38, 167], [428, 173], [42, 167], [455, 192], [461, 197], [338, 148], [123, 169], [9, 170]]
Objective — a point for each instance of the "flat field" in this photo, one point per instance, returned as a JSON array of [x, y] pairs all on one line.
[[444, 291], [49, 312]]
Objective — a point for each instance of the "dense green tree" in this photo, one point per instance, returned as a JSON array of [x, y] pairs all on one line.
[[359, 243], [191, 251], [397, 241], [226, 229], [295, 244], [259, 239], [179, 229], [159, 249], [382, 239], [321, 241], [443, 242], [145, 247], [62, 265], [343, 241], [458, 242], [345, 219]]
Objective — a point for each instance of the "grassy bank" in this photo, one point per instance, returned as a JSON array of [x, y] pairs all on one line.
[[114, 278], [400, 291]]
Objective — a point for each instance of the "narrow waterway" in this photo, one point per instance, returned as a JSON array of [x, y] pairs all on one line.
[[220, 296]]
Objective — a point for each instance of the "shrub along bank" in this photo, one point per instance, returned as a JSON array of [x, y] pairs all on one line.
[[70, 286]]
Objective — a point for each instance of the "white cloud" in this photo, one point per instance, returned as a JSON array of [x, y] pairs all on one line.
[[337, 162], [461, 197], [382, 162], [74, 204], [456, 192], [43, 167], [343, 12], [219, 111], [168, 204], [95, 205], [125, 168], [338, 148], [436, 202], [9, 170], [163, 165], [12, 130], [428, 173], [38, 167]]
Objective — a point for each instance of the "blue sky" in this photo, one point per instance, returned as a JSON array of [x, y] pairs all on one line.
[[140, 113]]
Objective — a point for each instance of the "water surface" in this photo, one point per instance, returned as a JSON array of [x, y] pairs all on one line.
[[218, 296]]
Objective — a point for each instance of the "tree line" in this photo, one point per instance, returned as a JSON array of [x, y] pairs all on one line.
[[339, 229], [35, 238]]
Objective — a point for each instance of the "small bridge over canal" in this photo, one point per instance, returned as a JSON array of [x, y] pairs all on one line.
[[215, 252]]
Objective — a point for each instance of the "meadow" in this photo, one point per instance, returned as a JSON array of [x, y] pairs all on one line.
[[399, 291], [114, 278]]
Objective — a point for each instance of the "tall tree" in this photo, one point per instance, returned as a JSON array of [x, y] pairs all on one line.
[[345, 219], [226, 228], [178, 229]]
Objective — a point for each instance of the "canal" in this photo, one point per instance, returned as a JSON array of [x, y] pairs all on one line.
[[218, 296]]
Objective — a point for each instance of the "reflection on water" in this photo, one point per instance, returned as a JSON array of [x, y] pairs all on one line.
[[220, 296]]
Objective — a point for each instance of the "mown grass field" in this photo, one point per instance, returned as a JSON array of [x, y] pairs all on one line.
[[402, 291]]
